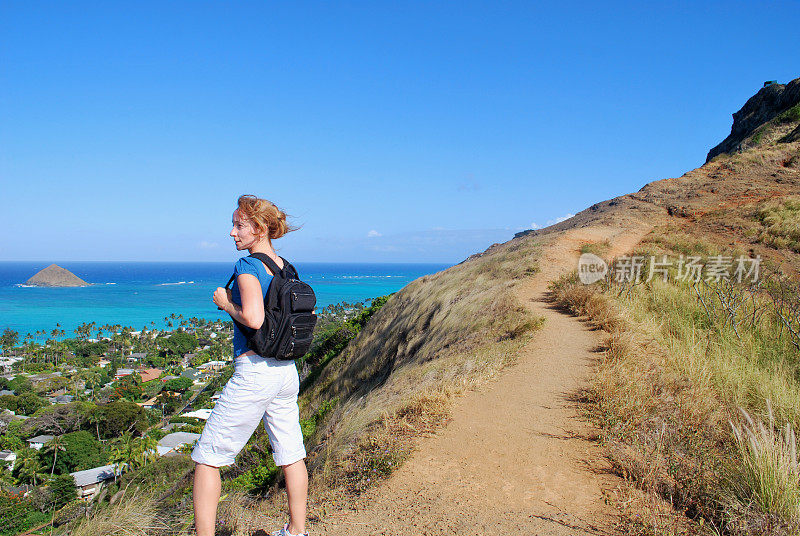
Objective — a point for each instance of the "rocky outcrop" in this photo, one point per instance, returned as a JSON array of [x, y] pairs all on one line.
[[767, 104], [56, 276]]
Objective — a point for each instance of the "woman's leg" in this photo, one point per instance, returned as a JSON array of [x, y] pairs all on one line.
[[205, 494], [297, 490]]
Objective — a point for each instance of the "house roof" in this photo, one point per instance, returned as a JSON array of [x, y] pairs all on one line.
[[149, 374], [176, 439], [93, 476], [40, 439], [203, 414], [212, 364]]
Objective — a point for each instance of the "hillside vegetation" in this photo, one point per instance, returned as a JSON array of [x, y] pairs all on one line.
[[697, 392]]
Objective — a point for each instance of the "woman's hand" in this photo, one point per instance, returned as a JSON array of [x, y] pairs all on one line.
[[222, 297]]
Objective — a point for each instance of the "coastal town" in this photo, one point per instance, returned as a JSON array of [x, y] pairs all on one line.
[[85, 418], [77, 413]]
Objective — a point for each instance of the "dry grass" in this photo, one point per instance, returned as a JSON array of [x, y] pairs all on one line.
[[137, 515], [781, 221], [597, 248], [242, 515], [767, 479], [672, 377]]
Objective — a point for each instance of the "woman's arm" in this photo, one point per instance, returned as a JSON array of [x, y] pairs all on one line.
[[251, 312]]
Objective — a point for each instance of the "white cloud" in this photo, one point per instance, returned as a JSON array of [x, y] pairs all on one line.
[[373, 233], [208, 245], [534, 225], [559, 219]]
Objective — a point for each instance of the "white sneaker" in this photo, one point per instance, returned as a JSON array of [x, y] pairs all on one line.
[[285, 532]]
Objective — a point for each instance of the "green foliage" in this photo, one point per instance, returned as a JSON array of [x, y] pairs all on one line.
[[756, 139], [792, 115], [84, 349], [27, 468], [63, 489], [309, 425], [121, 416], [158, 476], [199, 359], [128, 388], [20, 384], [178, 385], [156, 361], [256, 480], [25, 404], [180, 343], [9, 339], [12, 438], [81, 451]]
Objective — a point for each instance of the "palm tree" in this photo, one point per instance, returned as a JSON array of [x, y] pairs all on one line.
[[56, 344], [95, 416], [125, 451], [148, 450], [54, 445], [28, 466]]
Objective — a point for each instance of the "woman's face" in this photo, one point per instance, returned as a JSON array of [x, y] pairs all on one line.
[[243, 233]]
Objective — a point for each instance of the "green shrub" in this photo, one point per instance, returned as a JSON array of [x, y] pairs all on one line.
[[792, 115]]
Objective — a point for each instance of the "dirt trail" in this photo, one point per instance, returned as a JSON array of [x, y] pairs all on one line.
[[515, 458]]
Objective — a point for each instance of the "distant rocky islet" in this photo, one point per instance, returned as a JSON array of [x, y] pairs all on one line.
[[56, 276]]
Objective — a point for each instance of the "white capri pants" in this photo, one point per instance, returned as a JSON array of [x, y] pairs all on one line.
[[261, 388]]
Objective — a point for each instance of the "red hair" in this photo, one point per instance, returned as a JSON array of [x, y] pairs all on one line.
[[266, 217]]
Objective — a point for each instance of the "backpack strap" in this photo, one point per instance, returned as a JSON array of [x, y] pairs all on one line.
[[273, 266], [287, 267]]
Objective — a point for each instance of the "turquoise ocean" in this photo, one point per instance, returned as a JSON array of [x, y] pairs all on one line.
[[142, 294]]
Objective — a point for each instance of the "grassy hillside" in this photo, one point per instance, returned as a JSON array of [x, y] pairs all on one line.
[[698, 390]]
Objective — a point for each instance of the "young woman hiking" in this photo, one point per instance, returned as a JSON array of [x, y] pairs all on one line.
[[262, 388]]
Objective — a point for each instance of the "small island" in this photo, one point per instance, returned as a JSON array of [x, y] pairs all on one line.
[[56, 276]]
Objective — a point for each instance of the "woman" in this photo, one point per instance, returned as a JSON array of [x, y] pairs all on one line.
[[261, 388]]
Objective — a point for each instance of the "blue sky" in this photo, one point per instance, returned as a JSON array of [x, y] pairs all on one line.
[[391, 131]]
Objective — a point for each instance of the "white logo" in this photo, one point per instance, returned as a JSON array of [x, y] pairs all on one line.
[[591, 268]]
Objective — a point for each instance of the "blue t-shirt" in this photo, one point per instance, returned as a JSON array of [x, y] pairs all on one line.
[[246, 265]]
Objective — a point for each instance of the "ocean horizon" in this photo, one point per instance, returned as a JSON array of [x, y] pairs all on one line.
[[142, 293]]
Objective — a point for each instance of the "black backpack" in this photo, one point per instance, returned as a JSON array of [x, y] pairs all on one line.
[[289, 319]]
